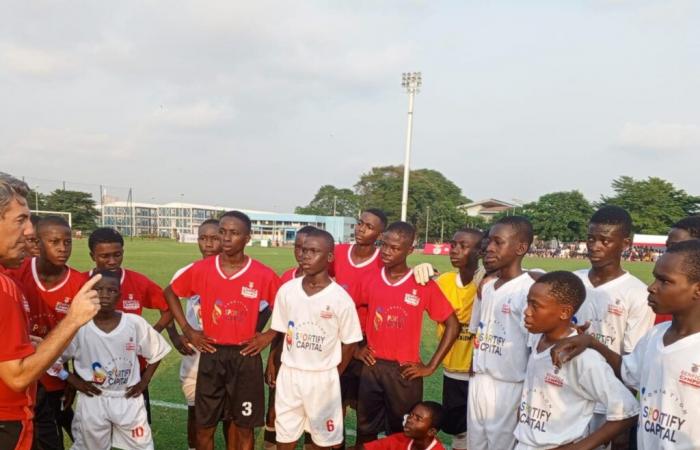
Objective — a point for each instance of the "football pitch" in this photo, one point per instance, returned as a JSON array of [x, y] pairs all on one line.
[[160, 259]]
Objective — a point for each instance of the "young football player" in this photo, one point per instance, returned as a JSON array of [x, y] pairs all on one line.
[[419, 432], [684, 230]]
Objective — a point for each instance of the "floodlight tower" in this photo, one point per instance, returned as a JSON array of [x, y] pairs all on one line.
[[411, 81]]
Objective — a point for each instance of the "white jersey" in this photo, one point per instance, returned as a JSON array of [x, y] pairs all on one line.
[[668, 380], [193, 312], [314, 326], [618, 311], [500, 344], [110, 360], [557, 404]]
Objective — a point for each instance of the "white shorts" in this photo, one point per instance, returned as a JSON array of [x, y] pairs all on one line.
[[111, 420], [308, 400], [491, 413], [188, 376]]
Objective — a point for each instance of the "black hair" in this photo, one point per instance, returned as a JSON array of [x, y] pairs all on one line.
[[436, 413], [381, 215], [209, 222], [116, 274], [243, 217], [322, 234], [306, 229], [45, 221], [469, 230], [521, 225], [690, 251], [565, 287], [613, 215], [104, 235], [34, 219], [691, 224], [403, 229]]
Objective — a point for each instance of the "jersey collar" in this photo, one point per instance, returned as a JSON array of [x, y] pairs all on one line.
[[235, 275], [430, 447], [398, 283], [363, 263], [41, 286]]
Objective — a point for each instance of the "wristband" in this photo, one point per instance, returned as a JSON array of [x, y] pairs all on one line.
[[63, 374]]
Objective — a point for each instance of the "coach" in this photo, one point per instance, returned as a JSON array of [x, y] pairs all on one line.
[[21, 364]]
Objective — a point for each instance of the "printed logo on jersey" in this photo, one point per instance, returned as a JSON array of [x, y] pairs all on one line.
[[63, 306], [249, 291], [412, 299], [289, 338], [489, 342], [690, 378], [506, 309], [394, 317], [131, 345], [327, 313], [553, 378], [130, 303], [39, 323], [378, 317], [98, 374], [535, 417], [231, 311], [667, 424], [115, 372], [305, 336], [616, 308]]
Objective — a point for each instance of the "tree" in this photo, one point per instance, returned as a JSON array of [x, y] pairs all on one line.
[[328, 198], [79, 204], [36, 200], [654, 204], [560, 215]]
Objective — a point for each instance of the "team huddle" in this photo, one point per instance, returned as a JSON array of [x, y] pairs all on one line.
[[530, 360]]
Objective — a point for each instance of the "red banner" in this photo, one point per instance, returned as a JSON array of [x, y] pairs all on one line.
[[436, 249]]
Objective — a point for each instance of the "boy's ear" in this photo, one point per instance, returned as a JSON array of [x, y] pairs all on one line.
[[696, 291], [626, 243], [522, 249], [331, 257], [566, 312], [432, 432]]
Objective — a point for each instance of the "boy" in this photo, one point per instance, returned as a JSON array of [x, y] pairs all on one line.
[[419, 432], [110, 409], [32, 241], [391, 380], [233, 289], [296, 271], [500, 344], [557, 404], [50, 285], [321, 326], [615, 305], [684, 230], [664, 365], [460, 289]]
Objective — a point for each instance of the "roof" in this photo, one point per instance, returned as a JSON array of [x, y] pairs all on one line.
[[490, 203], [649, 240]]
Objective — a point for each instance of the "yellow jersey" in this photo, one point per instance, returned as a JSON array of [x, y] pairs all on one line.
[[461, 298]]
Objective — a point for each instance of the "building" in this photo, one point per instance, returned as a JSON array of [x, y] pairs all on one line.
[[486, 208], [175, 220]]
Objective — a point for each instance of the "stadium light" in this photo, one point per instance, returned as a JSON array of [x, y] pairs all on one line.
[[412, 82]]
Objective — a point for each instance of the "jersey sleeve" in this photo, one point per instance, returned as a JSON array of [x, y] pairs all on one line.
[[271, 288], [182, 283], [152, 346], [154, 296], [598, 383], [438, 307], [640, 319], [13, 323], [280, 318], [350, 330], [632, 363]]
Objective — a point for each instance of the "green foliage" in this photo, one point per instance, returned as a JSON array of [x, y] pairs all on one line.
[[345, 201], [79, 204], [559, 215], [36, 200], [654, 204]]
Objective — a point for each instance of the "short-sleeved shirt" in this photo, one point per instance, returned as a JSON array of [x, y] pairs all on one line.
[[459, 359], [557, 404], [290, 274], [399, 441], [314, 326], [500, 343], [138, 292], [15, 345], [349, 275], [395, 314], [667, 378], [229, 304]]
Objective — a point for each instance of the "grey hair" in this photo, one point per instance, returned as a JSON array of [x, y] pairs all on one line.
[[10, 189]]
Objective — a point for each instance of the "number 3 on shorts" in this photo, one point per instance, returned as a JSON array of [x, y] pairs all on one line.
[[247, 408]]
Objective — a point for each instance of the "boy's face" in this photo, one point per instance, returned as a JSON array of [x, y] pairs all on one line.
[[544, 313], [298, 243], [419, 423], [605, 244], [209, 240], [234, 235], [108, 291], [395, 249], [672, 292], [504, 247], [677, 235], [31, 242], [55, 244], [315, 255], [367, 229], [464, 249], [108, 255]]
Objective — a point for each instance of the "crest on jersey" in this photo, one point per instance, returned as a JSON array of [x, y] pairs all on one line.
[[217, 311], [99, 376], [289, 337], [327, 313], [249, 291], [378, 318], [412, 298]]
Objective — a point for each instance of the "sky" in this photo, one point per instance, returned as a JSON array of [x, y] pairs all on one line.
[[257, 104]]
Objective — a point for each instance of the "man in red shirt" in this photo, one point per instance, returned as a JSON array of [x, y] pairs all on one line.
[[21, 365], [391, 381], [233, 288]]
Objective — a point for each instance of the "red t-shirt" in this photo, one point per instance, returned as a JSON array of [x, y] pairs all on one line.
[[289, 275], [229, 304], [662, 318], [395, 314], [49, 306], [349, 275], [399, 441], [15, 345], [138, 292]]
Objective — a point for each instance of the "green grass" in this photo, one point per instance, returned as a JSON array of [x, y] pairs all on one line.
[[160, 259]]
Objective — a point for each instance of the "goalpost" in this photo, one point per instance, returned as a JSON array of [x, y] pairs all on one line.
[[65, 214]]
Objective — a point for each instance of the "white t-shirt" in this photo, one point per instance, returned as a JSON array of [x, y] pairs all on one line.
[[110, 360], [557, 404], [500, 344], [668, 381], [314, 326], [618, 311], [193, 313]]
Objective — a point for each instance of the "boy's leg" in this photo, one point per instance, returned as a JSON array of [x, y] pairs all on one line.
[[245, 387], [454, 403], [91, 428], [289, 407], [371, 407], [323, 406], [47, 430], [400, 395], [269, 438], [130, 428], [188, 378], [210, 396], [492, 414]]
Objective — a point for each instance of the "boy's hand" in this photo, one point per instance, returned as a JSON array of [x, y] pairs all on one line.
[[270, 374], [257, 344], [85, 304], [83, 386], [567, 349], [68, 396], [200, 341], [581, 329], [137, 389], [423, 272], [411, 371], [182, 344], [365, 354]]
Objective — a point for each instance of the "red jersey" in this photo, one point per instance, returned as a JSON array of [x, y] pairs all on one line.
[[660, 318], [349, 275], [395, 314], [229, 304], [138, 292], [289, 274], [48, 306], [16, 345], [399, 441]]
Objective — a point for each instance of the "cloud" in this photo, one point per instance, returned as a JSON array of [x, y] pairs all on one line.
[[198, 115], [31, 61], [660, 137]]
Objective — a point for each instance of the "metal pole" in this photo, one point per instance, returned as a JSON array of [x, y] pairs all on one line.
[[442, 231], [427, 223], [335, 199], [407, 156], [36, 199]]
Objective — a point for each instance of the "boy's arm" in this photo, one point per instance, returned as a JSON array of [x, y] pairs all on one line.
[[180, 341], [138, 388], [414, 370], [348, 350], [166, 318], [567, 349], [197, 338], [602, 435], [274, 360]]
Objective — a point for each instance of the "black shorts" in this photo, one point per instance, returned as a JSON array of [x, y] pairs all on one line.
[[350, 383], [454, 404], [10, 433], [230, 386], [385, 398]]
